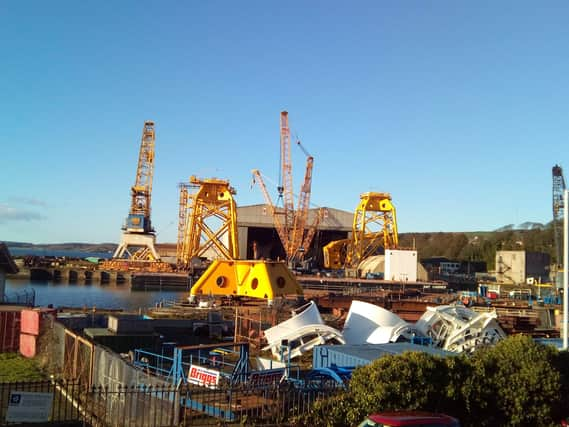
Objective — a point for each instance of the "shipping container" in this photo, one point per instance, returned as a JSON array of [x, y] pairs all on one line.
[[324, 356], [126, 324], [401, 265], [123, 343], [74, 321]]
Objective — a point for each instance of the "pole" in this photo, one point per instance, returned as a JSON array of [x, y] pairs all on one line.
[[565, 269]]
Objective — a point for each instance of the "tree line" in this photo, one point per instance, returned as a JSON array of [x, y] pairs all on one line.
[[480, 246]]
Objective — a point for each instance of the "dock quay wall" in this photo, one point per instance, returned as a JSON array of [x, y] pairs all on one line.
[[79, 275], [135, 279]]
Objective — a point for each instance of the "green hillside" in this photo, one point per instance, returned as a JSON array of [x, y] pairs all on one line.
[[480, 246]]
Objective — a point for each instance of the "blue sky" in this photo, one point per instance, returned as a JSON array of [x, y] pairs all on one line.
[[458, 109]]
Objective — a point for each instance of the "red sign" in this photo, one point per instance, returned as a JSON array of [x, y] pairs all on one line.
[[270, 376], [202, 376]]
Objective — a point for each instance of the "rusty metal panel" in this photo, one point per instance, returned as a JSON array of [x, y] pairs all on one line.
[[78, 358], [9, 331]]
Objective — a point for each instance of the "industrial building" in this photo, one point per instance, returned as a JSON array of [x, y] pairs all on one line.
[[516, 267], [259, 239]]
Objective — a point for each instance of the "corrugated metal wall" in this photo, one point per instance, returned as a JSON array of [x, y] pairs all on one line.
[[9, 331]]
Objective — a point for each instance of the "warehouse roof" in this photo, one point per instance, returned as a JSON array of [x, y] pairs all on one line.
[[260, 216], [6, 262]]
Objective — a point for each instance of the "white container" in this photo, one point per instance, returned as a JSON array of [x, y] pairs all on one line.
[[400, 265]]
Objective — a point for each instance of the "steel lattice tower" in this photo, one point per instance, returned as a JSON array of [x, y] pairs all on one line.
[[558, 188]]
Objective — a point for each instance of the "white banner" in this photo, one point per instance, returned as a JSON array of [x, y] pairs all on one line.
[[202, 376]]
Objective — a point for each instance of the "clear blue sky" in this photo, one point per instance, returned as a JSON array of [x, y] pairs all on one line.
[[458, 109]]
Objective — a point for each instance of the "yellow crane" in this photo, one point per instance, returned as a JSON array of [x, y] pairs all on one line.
[[290, 223], [374, 226], [136, 250]]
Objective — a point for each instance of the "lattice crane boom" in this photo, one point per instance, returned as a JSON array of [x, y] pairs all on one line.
[[291, 223], [275, 214], [138, 219], [300, 239], [558, 207], [285, 190]]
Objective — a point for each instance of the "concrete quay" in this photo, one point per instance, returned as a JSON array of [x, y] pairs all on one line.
[[80, 275]]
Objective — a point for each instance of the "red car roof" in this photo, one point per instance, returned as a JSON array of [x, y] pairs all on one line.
[[409, 418]]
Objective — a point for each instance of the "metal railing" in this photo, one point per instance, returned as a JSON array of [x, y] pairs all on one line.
[[25, 297], [169, 406]]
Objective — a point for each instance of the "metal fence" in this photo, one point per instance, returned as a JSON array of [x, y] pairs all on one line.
[[170, 406], [26, 297], [63, 408]]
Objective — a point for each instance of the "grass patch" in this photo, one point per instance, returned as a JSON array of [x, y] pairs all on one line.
[[14, 367]]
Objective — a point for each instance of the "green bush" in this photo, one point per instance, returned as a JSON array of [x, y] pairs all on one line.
[[518, 382], [514, 383]]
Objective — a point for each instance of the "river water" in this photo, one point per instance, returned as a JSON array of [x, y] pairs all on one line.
[[90, 295], [113, 296]]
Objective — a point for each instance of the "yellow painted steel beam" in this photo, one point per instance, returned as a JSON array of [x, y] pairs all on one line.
[[207, 221], [374, 226], [247, 278]]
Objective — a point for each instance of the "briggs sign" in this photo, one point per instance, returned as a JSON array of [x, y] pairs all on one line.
[[202, 376]]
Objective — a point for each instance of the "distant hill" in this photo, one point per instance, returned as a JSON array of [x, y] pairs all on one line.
[[528, 225], [73, 246]]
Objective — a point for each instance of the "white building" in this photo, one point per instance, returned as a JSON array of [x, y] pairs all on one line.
[[515, 267]]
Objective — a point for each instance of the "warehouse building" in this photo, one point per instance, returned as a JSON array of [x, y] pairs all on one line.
[[516, 267], [257, 231]]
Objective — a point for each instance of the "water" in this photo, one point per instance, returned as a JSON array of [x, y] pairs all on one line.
[[114, 296], [91, 295]]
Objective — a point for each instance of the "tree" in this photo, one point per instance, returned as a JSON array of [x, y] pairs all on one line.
[[515, 383], [518, 382]]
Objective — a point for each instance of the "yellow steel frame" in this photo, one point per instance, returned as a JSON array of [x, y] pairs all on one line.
[[255, 279], [374, 226], [207, 222]]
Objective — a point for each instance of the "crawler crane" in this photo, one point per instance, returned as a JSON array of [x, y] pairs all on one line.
[[291, 223], [136, 250]]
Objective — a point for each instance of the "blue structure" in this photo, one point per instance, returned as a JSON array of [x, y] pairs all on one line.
[[334, 375], [175, 367], [326, 356]]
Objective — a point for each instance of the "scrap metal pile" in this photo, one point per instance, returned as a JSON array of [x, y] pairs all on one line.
[[453, 328]]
